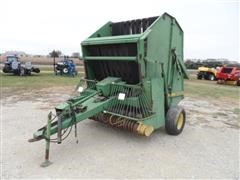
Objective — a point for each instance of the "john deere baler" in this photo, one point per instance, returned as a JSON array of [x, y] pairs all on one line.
[[134, 75]]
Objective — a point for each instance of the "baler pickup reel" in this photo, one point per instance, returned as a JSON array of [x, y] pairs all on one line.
[[134, 75], [111, 103]]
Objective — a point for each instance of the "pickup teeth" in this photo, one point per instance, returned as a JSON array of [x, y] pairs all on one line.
[[124, 123]]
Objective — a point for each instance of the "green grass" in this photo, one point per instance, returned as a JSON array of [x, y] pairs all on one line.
[[50, 68], [36, 81], [210, 89], [193, 88]]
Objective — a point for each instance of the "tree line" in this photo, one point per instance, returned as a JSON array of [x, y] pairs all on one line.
[[190, 64]]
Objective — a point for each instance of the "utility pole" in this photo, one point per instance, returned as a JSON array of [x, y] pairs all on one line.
[[54, 67]]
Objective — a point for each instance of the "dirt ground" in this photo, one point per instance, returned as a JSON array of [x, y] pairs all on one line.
[[207, 148]]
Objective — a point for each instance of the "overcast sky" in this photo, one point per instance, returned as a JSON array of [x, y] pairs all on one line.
[[211, 27]]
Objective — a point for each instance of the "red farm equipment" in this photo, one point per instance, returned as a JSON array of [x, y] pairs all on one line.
[[229, 75]]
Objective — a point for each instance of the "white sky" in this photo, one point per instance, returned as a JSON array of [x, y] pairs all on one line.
[[211, 27]]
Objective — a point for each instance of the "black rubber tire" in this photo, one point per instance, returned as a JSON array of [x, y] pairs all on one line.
[[36, 70], [206, 76], [238, 83], [172, 120], [5, 70], [199, 77]]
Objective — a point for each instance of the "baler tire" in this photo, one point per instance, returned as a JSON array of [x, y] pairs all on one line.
[[175, 120]]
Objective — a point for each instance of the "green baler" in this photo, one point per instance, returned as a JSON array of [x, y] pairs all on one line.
[[134, 75]]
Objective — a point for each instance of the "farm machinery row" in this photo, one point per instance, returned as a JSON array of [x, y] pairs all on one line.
[[14, 65], [229, 75], [223, 75], [134, 74]]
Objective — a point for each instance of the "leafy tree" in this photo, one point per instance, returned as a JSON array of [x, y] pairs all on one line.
[[56, 53]]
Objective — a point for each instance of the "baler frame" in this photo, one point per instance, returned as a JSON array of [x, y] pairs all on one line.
[[134, 80]]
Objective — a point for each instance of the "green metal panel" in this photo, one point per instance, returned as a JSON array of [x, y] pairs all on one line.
[[158, 101], [163, 42], [112, 39], [104, 86]]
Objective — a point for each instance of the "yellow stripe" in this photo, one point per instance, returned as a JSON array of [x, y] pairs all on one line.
[[174, 94]]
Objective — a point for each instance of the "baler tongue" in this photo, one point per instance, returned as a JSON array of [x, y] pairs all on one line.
[[88, 104], [85, 110]]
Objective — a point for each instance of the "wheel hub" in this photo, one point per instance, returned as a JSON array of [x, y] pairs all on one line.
[[180, 121]]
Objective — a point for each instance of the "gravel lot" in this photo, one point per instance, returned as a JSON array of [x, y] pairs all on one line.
[[207, 148]]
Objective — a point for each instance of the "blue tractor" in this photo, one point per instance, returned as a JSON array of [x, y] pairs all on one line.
[[14, 65], [66, 67]]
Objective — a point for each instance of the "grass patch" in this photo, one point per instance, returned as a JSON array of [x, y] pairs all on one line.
[[50, 68], [193, 88], [209, 89], [36, 81]]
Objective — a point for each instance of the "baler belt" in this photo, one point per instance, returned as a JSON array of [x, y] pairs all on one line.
[[132, 27]]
